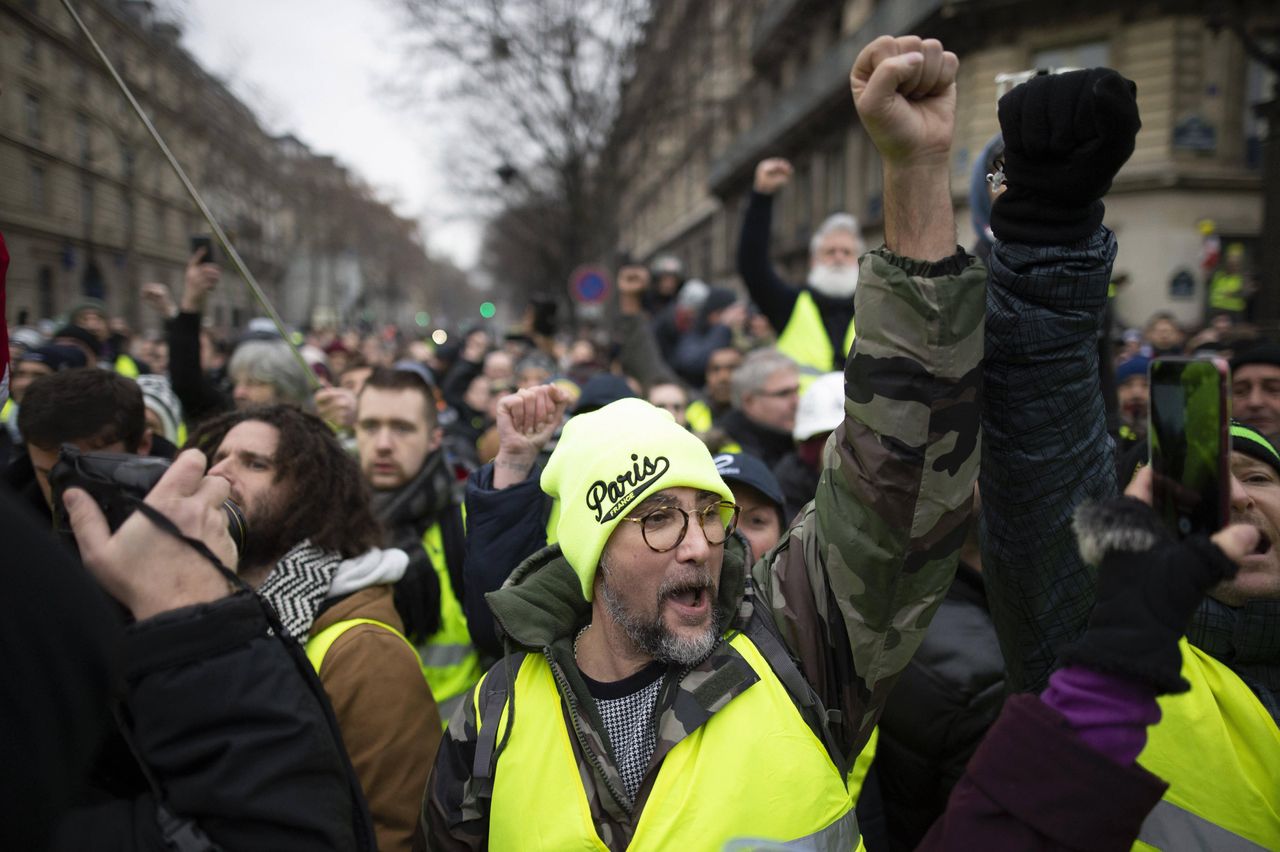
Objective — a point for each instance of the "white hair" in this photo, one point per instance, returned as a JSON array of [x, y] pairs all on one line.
[[835, 222]]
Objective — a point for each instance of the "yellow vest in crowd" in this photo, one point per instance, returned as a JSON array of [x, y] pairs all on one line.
[[449, 660], [753, 772], [1219, 749], [1226, 292], [698, 415], [805, 340], [318, 646]]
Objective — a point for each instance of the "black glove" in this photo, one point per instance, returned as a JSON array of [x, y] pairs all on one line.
[[1148, 588], [1065, 137]]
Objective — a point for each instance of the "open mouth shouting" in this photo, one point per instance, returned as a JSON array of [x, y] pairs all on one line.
[[689, 600]]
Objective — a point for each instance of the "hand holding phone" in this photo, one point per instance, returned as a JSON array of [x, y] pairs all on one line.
[[1190, 444], [199, 242]]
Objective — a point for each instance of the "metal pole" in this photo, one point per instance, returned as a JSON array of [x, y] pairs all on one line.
[[221, 235]]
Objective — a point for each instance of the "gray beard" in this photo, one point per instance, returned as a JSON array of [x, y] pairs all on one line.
[[653, 638], [836, 282]]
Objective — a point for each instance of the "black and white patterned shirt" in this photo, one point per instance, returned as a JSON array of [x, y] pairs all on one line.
[[626, 708]]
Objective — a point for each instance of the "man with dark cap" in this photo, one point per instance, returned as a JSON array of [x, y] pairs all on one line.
[[38, 362], [1255, 388], [81, 338], [759, 496]]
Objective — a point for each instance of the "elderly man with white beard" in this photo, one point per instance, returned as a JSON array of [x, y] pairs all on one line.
[[814, 322]]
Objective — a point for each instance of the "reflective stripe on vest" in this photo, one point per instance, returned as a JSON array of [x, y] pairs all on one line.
[[449, 660], [1226, 292], [1219, 750], [700, 799], [319, 644], [805, 341], [698, 415]]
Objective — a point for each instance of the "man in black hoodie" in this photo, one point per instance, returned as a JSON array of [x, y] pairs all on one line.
[[417, 498]]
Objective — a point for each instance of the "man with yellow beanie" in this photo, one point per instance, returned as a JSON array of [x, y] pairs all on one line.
[[658, 692]]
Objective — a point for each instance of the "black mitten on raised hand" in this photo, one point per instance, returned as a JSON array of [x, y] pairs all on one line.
[[1149, 585], [1065, 137]]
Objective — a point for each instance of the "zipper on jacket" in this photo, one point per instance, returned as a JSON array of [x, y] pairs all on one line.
[[572, 701]]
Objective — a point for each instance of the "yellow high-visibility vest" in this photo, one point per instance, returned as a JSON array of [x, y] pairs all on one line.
[[449, 659], [698, 415], [754, 772], [1226, 292], [805, 341], [318, 645], [1219, 749]]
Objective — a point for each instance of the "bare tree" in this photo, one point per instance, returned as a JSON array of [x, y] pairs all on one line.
[[534, 88]]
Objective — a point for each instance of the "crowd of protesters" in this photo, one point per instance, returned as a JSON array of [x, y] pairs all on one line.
[[863, 561]]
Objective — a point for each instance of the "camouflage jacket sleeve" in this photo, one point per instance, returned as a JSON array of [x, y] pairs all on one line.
[[1046, 445], [452, 819], [855, 582]]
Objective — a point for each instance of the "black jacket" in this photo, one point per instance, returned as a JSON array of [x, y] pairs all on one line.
[[406, 513], [503, 529], [947, 698], [768, 445], [202, 395], [233, 727]]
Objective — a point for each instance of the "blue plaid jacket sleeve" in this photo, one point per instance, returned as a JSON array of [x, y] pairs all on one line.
[[1045, 444]]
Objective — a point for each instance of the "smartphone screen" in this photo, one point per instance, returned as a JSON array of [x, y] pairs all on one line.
[[1189, 444], [206, 243]]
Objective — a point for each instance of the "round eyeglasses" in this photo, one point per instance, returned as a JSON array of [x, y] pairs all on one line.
[[665, 527]]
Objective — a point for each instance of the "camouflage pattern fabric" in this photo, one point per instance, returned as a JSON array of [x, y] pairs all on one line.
[[848, 593]]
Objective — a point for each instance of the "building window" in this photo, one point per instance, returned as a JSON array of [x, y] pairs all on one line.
[[128, 163], [1089, 54], [84, 142], [44, 291], [32, 109], [835, 178], [30, 49], [86, 203], [1259, 81], [37, 187]]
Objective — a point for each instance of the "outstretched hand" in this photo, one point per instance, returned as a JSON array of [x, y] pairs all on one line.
[[526, 421], [146, 568], [904, 89]]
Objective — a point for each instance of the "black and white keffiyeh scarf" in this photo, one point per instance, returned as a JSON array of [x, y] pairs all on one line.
[[298, 584]]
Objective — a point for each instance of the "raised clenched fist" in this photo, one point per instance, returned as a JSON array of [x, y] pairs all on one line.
[[772, 175], [904, 89]]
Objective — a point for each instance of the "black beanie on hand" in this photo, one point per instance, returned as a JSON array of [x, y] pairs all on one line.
[[1065, 136]]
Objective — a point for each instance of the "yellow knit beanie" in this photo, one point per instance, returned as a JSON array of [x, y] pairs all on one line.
[[607, 462]]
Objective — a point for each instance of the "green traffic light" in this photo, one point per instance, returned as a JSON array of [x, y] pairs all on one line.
[[487, 310]]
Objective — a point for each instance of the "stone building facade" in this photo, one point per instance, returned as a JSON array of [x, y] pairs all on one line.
[[777, 79], [89, 207]]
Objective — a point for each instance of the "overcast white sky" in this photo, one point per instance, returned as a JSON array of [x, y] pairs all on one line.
[[314, 68]]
